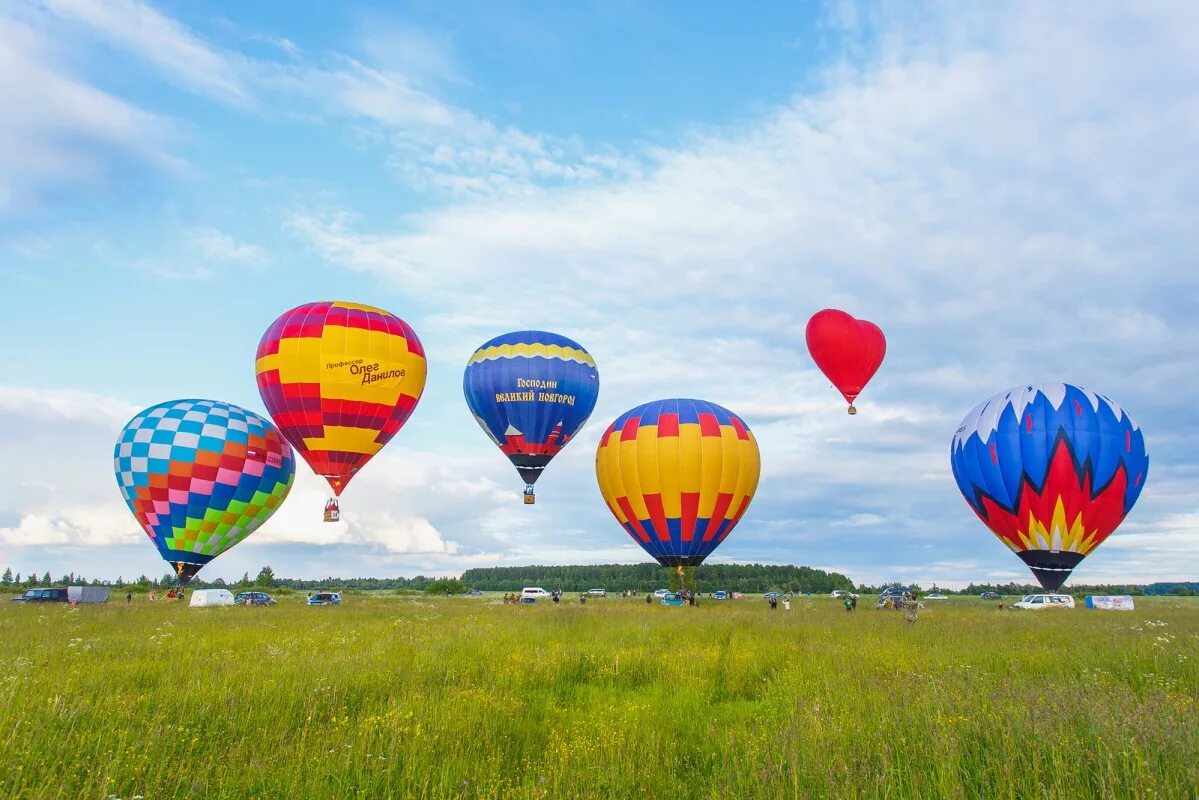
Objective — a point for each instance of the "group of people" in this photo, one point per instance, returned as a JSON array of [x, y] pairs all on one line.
[[152, 595], [774, 603]]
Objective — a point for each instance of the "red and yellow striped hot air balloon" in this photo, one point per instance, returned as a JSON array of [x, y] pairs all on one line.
[[340, 380], [678, 475]]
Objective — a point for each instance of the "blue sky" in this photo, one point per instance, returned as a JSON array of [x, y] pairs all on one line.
[[1008, 191]]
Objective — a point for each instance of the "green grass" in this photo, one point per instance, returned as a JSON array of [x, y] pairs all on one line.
[[463, 698]]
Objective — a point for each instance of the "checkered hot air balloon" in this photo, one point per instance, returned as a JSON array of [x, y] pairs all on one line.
[[340, 380], [678, 475], [531, 392], [1052, 469], [200, 476]]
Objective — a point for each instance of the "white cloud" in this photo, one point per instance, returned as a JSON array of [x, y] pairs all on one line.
[[1005, 213], [1007, 189], [141, 29], [89, 526], [59, 131], [436, 145], [857, 521], [220, 246], [87, 408]]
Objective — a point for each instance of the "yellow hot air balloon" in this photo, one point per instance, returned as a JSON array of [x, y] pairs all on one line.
[[678, 476]]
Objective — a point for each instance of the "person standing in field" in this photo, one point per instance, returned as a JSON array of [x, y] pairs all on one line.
[[128, 597], [647, 599], [774, 604], [786, 604], [849, 604]]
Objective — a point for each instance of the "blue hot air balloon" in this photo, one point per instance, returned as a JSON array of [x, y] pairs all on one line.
[[1052, 469], [531, 392]]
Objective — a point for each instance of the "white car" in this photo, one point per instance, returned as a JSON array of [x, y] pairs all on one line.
[[935, 596], [534, 591], [841, 593], [596, 593], [1036, 602], [660, 593]]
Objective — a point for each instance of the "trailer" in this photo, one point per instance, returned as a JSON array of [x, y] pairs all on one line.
[[87, 594]]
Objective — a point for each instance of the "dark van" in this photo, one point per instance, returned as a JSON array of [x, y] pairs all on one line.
[[58, 595]]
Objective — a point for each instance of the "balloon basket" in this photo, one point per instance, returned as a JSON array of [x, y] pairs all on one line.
[[332, 511], [852, 410]]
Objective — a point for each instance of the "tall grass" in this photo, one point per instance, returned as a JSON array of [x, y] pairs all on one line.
[[464, 698]]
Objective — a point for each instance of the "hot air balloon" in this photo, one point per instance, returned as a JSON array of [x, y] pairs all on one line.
[[200, 476], [531, 392], [678, 476], [1052, 469], [848, 351], [340, 380]]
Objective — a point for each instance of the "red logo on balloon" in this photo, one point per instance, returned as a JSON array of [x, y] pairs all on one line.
[[848, 351]]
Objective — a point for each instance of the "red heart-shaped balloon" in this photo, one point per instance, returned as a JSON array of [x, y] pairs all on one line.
[[848, 351]]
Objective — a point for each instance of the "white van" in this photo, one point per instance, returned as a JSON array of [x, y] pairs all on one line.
[[534, 591], [1037, 602]]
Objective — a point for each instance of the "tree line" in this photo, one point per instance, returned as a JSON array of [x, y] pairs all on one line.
[[747, 578]]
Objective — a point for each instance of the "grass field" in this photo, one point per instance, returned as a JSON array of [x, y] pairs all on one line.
[[463, 698]]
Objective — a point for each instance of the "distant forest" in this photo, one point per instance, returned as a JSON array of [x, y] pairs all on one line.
[[747, 578]]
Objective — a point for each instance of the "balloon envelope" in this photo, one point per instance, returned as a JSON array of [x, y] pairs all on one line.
[[678, 475], [531, 392], [340, 380], [848, 351], [1052, 469], [200, 476]]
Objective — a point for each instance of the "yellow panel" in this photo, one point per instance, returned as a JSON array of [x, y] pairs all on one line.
[[747, 477], [630, 477], [668, 476], [266, 363], [607, 471], [359, 307], [710, 463], [531, 351], [299, 359], [689, 457], [731, 460], [647, 459], [346, 440], [376, 353]]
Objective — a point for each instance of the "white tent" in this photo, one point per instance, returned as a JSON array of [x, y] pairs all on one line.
[[211, 597]]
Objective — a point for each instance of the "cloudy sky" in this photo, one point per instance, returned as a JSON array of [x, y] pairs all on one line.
[[1008, 190]]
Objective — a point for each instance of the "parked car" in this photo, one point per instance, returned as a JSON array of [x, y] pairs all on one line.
[[935, 596], [661, 593], [721, 595], [775, 595], [534, 592], [841, 593], [596, 593], [57, 595], [1037, 602], [990, 596], [325, 599], [894, 594], [673, 599], [253, 599], [475, 593]]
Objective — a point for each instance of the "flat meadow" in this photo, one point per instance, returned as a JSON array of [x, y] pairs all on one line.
[[388, 696]]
